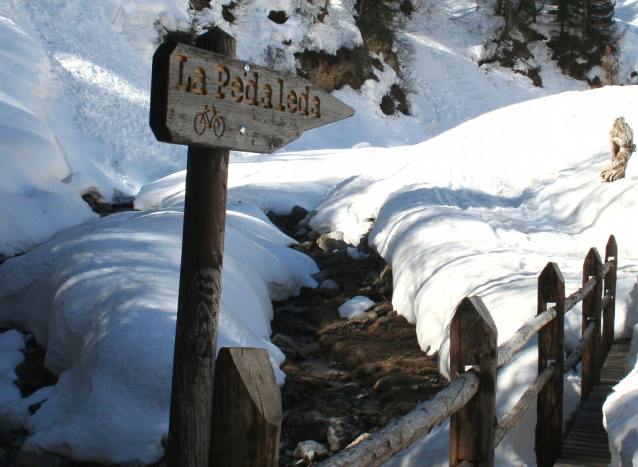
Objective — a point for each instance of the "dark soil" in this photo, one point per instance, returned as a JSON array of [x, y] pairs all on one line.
[[364, 371]]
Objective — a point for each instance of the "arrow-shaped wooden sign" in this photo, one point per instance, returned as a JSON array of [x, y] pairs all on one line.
[[201, 98]]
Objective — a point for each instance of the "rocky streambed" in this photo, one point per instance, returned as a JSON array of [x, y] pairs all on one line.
[[345, 377]]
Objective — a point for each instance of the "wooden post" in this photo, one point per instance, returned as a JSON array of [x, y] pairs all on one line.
[[549, 407], [609, 313], [199, 293], [246, 410], [593, 267], [473, 341]]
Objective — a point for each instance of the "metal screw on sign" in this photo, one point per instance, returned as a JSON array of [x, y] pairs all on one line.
[[242, 130], [246, 68]]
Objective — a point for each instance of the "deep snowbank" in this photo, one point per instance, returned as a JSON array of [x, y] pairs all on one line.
[[480, 210], [102, 298]]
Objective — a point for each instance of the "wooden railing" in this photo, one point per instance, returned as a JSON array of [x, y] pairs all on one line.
[[475, 358]]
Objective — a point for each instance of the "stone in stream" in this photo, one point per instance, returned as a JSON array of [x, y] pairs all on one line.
[[340, 434], [297, 215], [311, 451], [329, 288], [321, 276], [288, 346], [306, 426], [313, 235], [331, 241]]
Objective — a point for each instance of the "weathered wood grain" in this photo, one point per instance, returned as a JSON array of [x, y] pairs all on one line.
[[199, 298], [273, 108], [549, 409], [246, 410], [473, 341], [577, 353], [609, 289], [592, 358]]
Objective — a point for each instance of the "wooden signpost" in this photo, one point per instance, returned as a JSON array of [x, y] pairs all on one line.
[[204, 98], [200, 98]]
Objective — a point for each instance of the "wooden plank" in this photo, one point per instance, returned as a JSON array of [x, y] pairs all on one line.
[[599, 450], [587, 456], [473, 341], [549, 408], [592, 362], [566, 463], [575, 439], [575, 462], [199, 298], [246, 410], [203, 98]]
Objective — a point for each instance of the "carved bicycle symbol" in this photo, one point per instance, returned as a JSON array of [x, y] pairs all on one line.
[[209, 119]]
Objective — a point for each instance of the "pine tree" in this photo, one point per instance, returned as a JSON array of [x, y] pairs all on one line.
[[586, 28]]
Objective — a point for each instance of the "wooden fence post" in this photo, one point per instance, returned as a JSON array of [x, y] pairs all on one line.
[[609, 313], [551, 338], [246, 410], [199, 293], [593, 267], [473, 341]]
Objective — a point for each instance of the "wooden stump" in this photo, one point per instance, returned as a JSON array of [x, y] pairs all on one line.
[[246, 410], [473, 341]]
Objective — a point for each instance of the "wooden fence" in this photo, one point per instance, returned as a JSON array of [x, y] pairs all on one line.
[[475, 358]]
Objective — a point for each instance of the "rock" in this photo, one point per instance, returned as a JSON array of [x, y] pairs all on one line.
[[364, 318], [331, 261], [331, 241], [313, 235], [302, 426], [134, 463], [383, 308], [329, 288], [36, 459], [341, 404], [278, 17], [297, 215], [310, 451], [288, 346], [341, 434], [301, 232], [321, 276], [306, 220]]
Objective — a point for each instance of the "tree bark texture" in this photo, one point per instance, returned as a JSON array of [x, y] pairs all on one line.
[[199, 295]]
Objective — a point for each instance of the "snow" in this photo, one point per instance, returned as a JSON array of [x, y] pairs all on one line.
[[355, 306], [488, 180], [102, 298]]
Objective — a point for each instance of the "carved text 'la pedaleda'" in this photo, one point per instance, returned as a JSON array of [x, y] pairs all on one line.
[[240, 92]]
